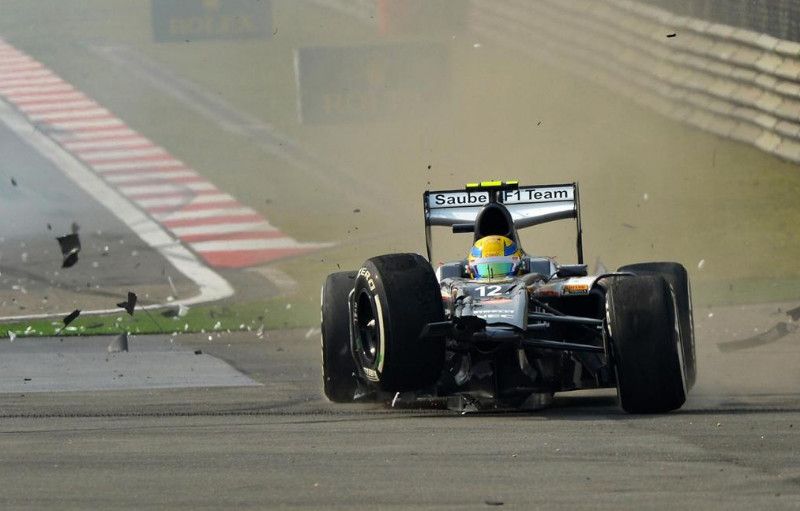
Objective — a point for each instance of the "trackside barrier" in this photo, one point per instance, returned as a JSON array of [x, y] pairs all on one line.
[[729, 81]]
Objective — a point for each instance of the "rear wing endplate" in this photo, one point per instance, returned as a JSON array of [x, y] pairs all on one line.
[[528, 205]]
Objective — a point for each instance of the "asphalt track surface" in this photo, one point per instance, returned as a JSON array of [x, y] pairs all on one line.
[[735, 445], [41, 204]]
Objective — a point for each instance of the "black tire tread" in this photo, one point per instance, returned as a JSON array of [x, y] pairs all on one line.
[[412, 298], [678, 278], [641, 317], [338, 367]]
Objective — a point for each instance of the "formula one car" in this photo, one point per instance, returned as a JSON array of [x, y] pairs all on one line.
[[504, 329]]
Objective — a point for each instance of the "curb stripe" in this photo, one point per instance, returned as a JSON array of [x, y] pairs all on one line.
[[144, 172], [242, 235], [213, 221], [58, 107], [169, 205], [120, 154], [224, 232], [235, 245], [223, 228], [203, 213], [165, 188], [86, 135], [29, 98], [88, 123], [185, 195], [131, 141], [74, 113], [182, 176], [163, 162]]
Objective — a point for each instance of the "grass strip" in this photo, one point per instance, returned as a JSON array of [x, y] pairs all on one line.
[[255, 316]]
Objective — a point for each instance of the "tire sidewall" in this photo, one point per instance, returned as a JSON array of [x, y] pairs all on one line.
[[400, 293], [338, 368], [367, 293]]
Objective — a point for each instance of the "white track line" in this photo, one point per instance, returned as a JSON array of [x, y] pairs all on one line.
[[121, 132], [60, 87], [171, 200], [212, 286], [26, 98], [34, 73], [180, 199], [42, 80], [60, 106], [89, 123], [255, 244], [203, 213], [25, 66], [261, 226], [151, 176], [15, 58], [96, 156], [114, 143], [67, 114], [166, 188], [139, 164]]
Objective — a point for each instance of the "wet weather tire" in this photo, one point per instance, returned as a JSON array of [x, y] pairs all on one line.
[[678, 278], [395, 296], [642, 331], [338, 367]]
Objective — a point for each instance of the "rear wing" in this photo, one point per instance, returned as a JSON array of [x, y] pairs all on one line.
[[528, 205]]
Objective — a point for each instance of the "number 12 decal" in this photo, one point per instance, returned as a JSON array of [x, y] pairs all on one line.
[[489, 290]]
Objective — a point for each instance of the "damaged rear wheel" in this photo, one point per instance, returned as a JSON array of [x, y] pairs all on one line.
[[677, 277], [643, 334]]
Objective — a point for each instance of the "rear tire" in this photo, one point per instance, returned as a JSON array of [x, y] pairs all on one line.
[[642, 331], [338, 367], [678, 278], [395, 296]]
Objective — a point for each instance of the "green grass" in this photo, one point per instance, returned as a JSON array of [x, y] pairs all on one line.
[[211, 319]]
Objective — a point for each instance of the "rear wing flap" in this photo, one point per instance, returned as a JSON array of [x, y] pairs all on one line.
[[528, 205]]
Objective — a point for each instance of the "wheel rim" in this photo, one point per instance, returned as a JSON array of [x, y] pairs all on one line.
[[367, 330]]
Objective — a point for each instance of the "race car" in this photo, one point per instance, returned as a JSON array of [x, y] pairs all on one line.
[[503, 329]]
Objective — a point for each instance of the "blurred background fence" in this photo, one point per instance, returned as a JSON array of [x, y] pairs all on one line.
[[778, 18], [731, 67]]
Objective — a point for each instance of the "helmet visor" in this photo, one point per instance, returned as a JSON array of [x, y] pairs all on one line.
[[488, 268]]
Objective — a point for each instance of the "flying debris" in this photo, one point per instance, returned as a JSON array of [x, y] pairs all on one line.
[[177, 311], [777, 332], [172, 286], [130, 304], [599, 267], [70, 246], [72, 316], [13, 182], [120, 343]]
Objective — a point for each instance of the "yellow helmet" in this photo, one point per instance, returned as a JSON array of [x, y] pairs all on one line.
[[494, 257]]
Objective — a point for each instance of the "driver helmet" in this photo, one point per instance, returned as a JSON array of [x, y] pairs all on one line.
[[494, 257]]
